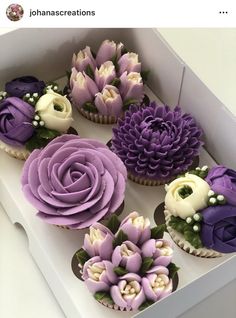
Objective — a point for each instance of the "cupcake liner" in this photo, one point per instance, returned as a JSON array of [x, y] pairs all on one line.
[[97, 118], [178, 238], [113, 306], [15, 152], [146, 182]]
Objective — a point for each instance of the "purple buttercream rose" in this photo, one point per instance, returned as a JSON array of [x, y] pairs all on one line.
[[127, 255], [156, 142], [218, 228], [128, 293], [136, 227], [156, 284], [16, 118], [99, 241], [98, 274], [20, 86], [159, 250], [74, 182], [223, 181]]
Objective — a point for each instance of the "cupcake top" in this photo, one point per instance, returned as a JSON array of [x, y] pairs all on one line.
[[203, 208], [31, 113], [155, 142], [127, 265], [108, 82], [74, 181]]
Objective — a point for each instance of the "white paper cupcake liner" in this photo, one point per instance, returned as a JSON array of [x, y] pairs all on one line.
[[113, 306], [146, 182], [178, 238], [15, 152], [97, 118]]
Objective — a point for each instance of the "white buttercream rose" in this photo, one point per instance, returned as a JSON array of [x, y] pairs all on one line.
[[187, 206], [55, 111]]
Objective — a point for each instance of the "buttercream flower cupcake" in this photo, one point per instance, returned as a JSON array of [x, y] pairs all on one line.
[[156, 143], [126, 265], [200, 211], [31, 114], [103, 86], [74, 182]]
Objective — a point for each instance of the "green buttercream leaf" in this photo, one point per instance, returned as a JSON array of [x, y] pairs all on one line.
[[157, 232], [90, 107], [115, 82], [82, 256], [144, 75], [145, 304], [113, 223], [104, 297], [120, 271], [173, 269], [35, 143], [120, 238], [146, 264], [45, 133], [89, 71], [129, 102]]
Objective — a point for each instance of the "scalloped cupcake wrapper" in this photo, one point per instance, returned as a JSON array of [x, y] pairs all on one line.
[[185, 245], [146, 182], [96, 118], [113, 306], [15, 152]]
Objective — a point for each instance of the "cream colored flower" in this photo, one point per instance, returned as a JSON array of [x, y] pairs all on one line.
[[195, 201], [55, 111]]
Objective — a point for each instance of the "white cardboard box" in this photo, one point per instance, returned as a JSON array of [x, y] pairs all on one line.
[[46, 53]]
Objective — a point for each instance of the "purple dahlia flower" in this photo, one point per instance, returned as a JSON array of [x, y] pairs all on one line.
[[219, 228], [223, 181], [74, 181], [16, 118], [20, 86], [156, 142]]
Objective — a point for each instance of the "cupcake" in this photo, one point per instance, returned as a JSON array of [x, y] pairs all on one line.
[[104, 85], [200, 211], [74, 182], [31, 114], [156, 143], [127, 265]]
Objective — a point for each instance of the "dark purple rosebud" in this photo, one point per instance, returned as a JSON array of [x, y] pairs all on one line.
[[16, 118], [99, 241], [20, 86], [128, 293], [98, 274], [223, 181], [74, 181], [159, 250], [128, 256], [218, 228]]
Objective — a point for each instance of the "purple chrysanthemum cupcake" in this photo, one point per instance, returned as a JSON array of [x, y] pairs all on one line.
[[200, 211], [126, 265], [74, 182], [156, 143]]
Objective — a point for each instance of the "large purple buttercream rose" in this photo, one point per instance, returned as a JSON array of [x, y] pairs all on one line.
[[156, 142], [20, 86], [219, 228], [223, 181], [16, 118], [74, 182]]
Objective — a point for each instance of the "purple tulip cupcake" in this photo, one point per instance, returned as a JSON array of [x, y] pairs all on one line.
[[127, 265], [104, 85], [31, 114], [74, 182], [200, 211], [156, 143]]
